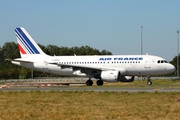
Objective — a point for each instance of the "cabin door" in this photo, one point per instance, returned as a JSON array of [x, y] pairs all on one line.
[[147, 62]]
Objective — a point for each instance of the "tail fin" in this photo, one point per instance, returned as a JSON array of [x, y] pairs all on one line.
[[27, 46]]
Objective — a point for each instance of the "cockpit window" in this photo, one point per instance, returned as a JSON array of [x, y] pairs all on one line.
[[161, 61]]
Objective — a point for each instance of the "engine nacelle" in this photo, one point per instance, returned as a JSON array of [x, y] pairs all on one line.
[[110, 76], [115, 76]]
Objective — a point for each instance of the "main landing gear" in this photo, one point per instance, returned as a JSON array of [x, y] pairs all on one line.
[[89, 82], [98, 82], [149, 81]]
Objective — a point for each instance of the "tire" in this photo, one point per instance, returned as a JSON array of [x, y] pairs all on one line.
[[99, 82], [89, 82], [149, 83]]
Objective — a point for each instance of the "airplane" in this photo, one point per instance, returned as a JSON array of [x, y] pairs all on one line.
[[108, 68]]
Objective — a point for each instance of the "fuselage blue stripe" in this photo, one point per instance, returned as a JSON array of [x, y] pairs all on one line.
[[32, 47]]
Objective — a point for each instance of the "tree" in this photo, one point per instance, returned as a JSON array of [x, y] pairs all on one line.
[[174, 62], [105, 52]]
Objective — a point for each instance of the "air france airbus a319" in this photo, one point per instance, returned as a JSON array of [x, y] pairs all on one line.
[[109, 68]]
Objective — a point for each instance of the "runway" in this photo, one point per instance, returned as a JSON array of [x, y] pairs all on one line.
[[95, 89]]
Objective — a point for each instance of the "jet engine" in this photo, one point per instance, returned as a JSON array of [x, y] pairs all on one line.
[[115, 76], [110, 76]]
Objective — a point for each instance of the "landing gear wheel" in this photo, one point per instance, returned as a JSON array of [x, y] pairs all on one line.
[[149, 83], [89, 82], [99, 82]]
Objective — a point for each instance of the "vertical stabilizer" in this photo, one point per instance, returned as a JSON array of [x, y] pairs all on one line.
[[27, 46]]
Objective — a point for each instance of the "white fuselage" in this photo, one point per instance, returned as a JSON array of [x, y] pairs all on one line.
[[128, 65]]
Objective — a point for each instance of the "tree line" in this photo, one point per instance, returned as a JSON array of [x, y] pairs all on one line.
[[10, 51]]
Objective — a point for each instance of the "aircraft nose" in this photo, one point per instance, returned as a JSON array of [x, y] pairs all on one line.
[[171, 68]]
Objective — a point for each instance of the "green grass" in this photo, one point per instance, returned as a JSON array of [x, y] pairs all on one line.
[[78, 105]]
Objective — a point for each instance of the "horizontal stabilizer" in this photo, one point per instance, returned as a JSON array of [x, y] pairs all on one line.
[[19, 60]]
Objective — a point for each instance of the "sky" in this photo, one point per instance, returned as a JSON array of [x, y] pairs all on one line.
[[113, 25]]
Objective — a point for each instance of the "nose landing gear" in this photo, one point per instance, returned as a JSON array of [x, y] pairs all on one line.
[[149, 81]]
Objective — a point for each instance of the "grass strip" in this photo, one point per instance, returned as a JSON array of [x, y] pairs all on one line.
[[89, 105]]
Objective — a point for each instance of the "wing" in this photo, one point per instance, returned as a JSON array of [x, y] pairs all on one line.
[[83, 68]]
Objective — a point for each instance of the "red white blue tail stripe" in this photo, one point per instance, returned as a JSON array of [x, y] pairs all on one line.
[[25, 42]]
